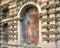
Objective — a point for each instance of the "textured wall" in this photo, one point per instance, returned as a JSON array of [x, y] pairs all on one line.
[[49, 17]]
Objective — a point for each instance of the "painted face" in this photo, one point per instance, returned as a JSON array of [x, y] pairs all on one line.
[[33, 15]]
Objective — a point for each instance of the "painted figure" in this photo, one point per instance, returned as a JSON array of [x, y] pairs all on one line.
[[33, 26]]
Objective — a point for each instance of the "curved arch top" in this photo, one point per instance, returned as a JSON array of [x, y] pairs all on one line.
[[21, 12], [27, 4]]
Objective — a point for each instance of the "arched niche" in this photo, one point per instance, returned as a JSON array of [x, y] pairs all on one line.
[[28, 28]]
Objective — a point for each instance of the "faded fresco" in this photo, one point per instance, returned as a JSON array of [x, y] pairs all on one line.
[[33, 26]]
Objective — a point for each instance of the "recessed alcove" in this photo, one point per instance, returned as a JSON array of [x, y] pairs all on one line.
[[30, 24]]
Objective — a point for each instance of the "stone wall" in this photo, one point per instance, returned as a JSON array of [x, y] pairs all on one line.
[[49, 19]]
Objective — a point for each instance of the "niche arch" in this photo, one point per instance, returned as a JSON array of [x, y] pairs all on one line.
[[23, 26]]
